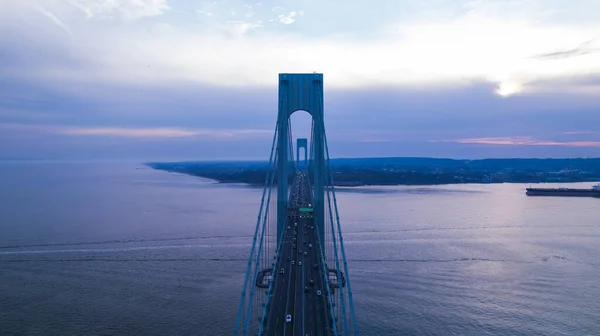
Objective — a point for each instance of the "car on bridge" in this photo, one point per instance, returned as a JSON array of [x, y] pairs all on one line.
[[288, 318]]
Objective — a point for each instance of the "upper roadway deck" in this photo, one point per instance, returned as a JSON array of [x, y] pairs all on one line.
[[299, 288]]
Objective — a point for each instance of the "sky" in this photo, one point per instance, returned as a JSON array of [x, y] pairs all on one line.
[[187, 80]]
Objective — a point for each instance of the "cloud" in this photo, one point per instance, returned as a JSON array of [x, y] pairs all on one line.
[[429, 49], [54, 19], [574, 85], [123, 132], [127, 9], [398, 75], [239, 28], [579, 133], [374, 140], [154, 132], [290, 17], [205, 13], [582, 49], [522, 141], [258, 4]]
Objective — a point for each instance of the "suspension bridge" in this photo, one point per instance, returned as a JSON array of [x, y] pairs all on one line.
[[296, 281]]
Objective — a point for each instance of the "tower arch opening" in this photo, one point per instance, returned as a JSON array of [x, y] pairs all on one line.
[[301, 128]]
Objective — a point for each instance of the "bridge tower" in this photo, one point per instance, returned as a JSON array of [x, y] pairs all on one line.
[[301, 92], [302, 143], [296, 280]]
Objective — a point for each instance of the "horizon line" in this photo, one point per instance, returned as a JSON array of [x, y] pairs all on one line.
[[159, 160]]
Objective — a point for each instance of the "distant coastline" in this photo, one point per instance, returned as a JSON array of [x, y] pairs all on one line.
[[407, 171]]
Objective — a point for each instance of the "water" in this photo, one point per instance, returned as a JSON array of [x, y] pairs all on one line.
[[118, 249]]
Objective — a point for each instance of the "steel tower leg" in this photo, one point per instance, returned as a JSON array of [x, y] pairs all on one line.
[[283, 120], [319, 171]]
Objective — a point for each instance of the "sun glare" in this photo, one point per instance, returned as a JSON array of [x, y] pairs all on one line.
[[506, 89]]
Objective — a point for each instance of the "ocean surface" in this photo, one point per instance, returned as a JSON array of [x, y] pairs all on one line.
[[120, 249]]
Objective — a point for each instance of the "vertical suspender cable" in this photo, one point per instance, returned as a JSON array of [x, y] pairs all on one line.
[[337, 216], [277, 253], [337, 264], [259, 251], [327, 286], [291, 145], [335, 249], [251, 257], [290, 153]]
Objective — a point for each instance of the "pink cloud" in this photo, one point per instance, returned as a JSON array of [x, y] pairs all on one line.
[[373, 140], [164, 132], [522, 141], [124, 132], [151, 132], [579, 133]]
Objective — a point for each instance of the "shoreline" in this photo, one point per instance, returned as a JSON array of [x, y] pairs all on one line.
[[358, 185]]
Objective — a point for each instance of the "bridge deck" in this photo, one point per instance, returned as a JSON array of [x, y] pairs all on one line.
[[299, 274]]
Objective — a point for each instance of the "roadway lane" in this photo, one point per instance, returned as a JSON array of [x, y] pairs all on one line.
[[283, 298], [293, 291], [317, 308], [316, 311]]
